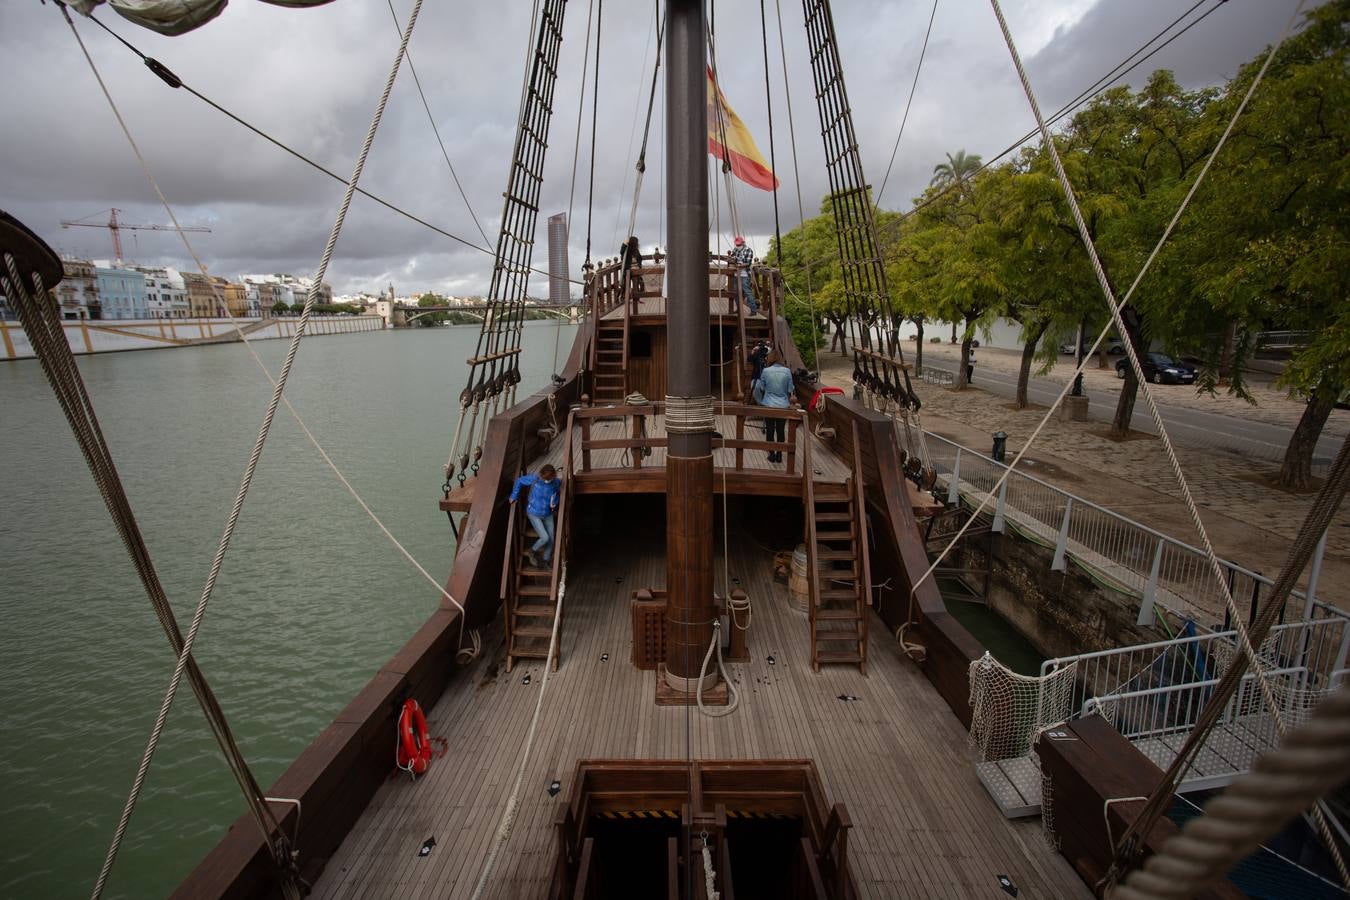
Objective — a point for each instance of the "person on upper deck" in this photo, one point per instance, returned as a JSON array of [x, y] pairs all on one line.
[[742, 257], [545, 488], [774, 391], [630, 254]]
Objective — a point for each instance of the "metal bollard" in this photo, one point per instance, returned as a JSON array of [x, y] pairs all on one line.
[[1000, 446]]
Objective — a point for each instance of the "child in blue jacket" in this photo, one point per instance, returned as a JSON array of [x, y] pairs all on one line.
[[545, 489]]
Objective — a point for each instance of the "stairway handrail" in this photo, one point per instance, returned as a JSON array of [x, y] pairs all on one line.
[[813, 573], [860, 514], [562, 530]]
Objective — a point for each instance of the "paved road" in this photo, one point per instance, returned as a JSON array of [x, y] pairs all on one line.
[[1257, 440]]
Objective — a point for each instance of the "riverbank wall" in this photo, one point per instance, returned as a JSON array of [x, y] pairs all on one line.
[[117, 335]]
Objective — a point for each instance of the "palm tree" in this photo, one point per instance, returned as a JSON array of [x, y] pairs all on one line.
[[956, 170]]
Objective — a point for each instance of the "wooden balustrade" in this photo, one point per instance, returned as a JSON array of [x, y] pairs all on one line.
[[646, 434]]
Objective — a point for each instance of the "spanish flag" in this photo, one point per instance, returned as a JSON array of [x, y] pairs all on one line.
[[740, 151]]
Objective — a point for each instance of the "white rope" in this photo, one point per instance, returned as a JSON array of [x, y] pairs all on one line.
[[198, 615], [508, 820], [709, 876], [260, 809], [1216, 567], [466, 654], [716, 646]]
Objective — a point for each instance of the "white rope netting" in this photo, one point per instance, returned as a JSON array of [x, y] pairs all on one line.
[[1009, 710]]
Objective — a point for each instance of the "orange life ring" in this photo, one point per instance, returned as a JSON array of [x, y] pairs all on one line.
[[818, 399], [414, 748]]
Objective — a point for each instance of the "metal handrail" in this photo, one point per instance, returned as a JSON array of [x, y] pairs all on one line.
[[1138, 557]]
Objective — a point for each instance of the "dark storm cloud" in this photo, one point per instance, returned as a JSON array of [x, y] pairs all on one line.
[[312, 78]]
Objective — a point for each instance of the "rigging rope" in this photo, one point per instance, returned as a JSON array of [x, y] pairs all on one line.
[[1310, 763], [647, 126], [508, 820], [1216, 567], [908, 103], [40, 321], [797, 179], [768, 103], [174, 81], [595, 108], [256, 454], [1119, 71], [432, 119]]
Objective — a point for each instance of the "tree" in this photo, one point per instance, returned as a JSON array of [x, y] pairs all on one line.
[[435, 318], [958, 170], [280, 307], [809, 262], [1266, 241], [1127, 155]]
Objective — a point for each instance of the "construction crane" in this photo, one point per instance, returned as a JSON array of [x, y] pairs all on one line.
[[115, 227]]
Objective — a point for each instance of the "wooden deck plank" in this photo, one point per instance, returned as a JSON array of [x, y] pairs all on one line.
[[896, 757]]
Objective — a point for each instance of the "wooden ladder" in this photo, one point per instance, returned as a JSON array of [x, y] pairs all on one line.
[[611, 377], [529, 593], [837, 556]]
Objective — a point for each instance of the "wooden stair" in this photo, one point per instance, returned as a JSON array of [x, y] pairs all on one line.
[[839, 568], [839, 616], [528, 604], [611, 377]]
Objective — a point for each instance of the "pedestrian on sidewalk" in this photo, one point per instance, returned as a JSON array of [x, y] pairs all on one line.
[[970, 364], [545, 488]]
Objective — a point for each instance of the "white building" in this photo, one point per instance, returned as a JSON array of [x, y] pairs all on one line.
[[166, 294]]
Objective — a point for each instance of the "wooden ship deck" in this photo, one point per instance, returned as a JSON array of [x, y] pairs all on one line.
[[923, 826]]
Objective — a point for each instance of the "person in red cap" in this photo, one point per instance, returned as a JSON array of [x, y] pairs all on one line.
[[742, 257]]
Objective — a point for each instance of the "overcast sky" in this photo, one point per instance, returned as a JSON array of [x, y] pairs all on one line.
[[312, 77]]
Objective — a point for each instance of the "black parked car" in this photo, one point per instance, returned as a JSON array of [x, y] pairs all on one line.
[[1160, 368]]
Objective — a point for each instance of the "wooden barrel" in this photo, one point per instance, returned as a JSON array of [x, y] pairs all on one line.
[[799, 590]]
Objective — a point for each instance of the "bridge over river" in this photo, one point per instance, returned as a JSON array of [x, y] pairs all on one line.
[[403, 316]]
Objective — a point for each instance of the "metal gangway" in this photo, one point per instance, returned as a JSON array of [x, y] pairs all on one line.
[[1153, 695]]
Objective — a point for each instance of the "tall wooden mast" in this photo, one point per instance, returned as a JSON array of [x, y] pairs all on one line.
[[689, 420]]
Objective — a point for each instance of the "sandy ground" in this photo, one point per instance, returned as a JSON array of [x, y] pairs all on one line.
[[1249, 522]]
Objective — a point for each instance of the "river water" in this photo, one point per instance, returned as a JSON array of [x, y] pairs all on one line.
[[311, 601]]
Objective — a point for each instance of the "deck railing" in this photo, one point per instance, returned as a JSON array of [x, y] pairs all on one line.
[[646, 432], [1158, 690], [1161, 571]]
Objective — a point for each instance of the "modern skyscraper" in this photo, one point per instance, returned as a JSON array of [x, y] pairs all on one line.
[[558, 287]]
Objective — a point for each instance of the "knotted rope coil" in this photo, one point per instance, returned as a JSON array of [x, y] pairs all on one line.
[[690, 415]]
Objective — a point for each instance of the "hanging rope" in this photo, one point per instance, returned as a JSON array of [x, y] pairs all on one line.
[[647, 126], [595, 108], [908, 103], [768, 105], [719, 113], [170, 78], [797, 180], [40, 320], [441, 143], [251, 468], [508, 819]]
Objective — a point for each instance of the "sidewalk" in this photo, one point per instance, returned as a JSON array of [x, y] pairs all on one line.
[[1248, 522]]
